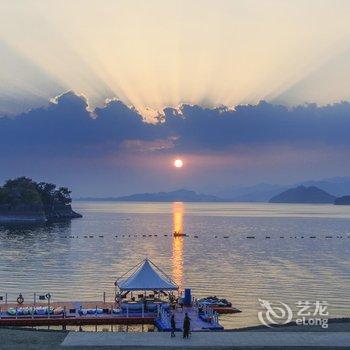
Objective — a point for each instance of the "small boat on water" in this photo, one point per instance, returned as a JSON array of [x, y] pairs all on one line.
[[214, 301], [11, 311], [40, 310], [179, 234], [24, 310], [221, 306], [58, 310], [92, 311], [19, 311], [43, 310]]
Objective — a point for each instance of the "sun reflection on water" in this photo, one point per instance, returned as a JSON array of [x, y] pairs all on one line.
[[178, 243]]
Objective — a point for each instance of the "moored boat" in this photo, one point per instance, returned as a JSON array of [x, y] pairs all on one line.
[[58, 310], [214, 301], [11, 311], [221, 306]]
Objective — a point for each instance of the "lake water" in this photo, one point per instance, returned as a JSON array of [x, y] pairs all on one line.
[[64, 260]]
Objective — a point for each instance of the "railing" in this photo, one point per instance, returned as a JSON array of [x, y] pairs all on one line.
[[164, 316], [34, 297], [211, 314]]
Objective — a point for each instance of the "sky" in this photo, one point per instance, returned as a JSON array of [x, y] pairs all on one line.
[[102, 96]]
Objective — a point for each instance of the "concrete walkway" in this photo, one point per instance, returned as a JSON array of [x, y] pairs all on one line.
[[207, 340]]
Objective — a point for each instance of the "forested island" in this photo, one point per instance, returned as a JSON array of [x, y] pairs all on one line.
[[26, 201]]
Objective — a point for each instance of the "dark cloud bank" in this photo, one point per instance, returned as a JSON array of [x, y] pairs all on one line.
[[65, 127]]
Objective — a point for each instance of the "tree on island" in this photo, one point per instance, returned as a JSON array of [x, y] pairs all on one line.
[[50, 195], [24, 190], [20, 191]]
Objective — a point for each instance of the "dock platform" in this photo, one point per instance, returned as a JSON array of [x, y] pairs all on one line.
[[73, 317], [197, 323]]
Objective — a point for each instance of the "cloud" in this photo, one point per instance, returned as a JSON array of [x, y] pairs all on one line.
[[65, 127], [255, 125]]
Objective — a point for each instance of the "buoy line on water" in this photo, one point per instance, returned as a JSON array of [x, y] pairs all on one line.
[[196, 236]]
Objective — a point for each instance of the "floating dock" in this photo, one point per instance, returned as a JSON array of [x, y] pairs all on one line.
[[151, 309], [72, 316]]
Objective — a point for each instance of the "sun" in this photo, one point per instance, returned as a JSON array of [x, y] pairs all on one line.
[[178, 163]]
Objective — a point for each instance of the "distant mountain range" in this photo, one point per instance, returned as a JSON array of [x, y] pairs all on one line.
[[303, 194], [173, 196], [258, 193], [263, 192], [337, 186]]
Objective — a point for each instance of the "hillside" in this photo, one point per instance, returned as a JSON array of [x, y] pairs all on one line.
[[303, 194], [337, 186]]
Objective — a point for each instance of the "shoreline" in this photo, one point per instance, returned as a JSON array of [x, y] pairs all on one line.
[[338, 324], [344, 321], [41, 217], [307, 337]]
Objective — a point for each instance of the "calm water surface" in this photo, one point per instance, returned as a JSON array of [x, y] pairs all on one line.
[[63, 259]]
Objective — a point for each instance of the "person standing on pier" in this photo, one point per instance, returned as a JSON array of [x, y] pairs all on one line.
[[186, 326], [173, 325]]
